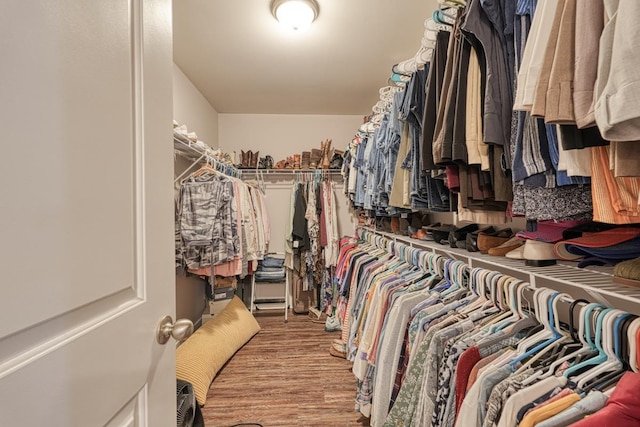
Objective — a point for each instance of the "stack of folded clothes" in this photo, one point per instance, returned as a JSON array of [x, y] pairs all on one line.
[[270, 269]]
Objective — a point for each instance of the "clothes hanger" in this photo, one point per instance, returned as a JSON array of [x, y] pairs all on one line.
[[570, 347], [439, 18], [496, 297], [595, 344], [478, 278], [587, 348], [621, 326], [517, 327], [559, 336], [453, 3], [510, 287], [633, 348], [611, 363], [546, 336]]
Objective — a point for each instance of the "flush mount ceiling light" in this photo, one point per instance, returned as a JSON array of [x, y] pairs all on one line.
[[295, 14]]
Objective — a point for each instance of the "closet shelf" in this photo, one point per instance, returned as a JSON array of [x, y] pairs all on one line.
[[197, 154], [596, 281]]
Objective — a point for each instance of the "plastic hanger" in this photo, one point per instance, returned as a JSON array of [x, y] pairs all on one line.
[[439, 17], [508, 286], [541, 315], [633, 347], [578, 338], [620, 326], [479, 278], [572, 329], [611, 361], [595, 344], [496, 294], [529, 346], [557, 338]]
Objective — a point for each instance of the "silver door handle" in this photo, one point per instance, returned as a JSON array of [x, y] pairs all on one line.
[[180, 330]]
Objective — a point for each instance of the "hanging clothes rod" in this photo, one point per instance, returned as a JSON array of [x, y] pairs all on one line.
[[596, 282], [290, 171]]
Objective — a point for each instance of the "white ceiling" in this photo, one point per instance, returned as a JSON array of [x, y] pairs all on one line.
[[237, 55]]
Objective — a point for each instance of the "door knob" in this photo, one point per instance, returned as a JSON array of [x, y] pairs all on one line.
[[180, 330]]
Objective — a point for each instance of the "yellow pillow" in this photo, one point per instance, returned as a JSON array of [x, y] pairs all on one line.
[[201, 356]]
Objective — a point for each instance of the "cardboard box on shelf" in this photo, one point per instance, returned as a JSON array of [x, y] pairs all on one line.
[[223, 293], [225, 282]]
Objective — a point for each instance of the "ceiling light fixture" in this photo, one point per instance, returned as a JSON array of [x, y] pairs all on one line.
[[295, 14]]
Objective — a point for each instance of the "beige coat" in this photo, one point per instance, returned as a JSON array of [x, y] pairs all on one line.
[[534, 53], [540, 97], [559, 103], [617, 107], [589, 25], [477, 150]]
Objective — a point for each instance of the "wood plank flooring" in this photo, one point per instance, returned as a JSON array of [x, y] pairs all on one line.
[[285, 376]]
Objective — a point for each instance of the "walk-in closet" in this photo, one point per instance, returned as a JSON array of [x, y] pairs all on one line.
[[320, 213]]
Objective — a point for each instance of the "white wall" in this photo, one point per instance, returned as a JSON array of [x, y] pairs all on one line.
[[192, 109], [282, 135]]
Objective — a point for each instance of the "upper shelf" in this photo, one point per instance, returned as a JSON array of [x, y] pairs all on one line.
[[290, 171], [199, 154], [595, 281]]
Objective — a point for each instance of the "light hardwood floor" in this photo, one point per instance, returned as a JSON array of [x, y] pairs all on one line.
[[285, 376]]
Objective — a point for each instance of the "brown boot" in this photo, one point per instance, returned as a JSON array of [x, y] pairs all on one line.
[[254, 160], [249, 158], [296, 161], [316, 159], [244, 159], [305, 160], [326, 154]]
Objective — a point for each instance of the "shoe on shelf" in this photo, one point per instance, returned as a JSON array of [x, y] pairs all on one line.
[[336, 161], [246, 159], [458, 237], [315, 159], [395, 225], [420, 235], [472, 238], [404, 227], [254, 159], [305, 160], [538, 254], [487, 241], [507, 246], [517, 253], [288, 163]]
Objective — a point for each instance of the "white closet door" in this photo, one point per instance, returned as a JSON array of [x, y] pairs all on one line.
[[86, 213]]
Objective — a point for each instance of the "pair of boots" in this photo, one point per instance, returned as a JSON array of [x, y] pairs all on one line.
[[287, 163], [249, 159], [291, 162]]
